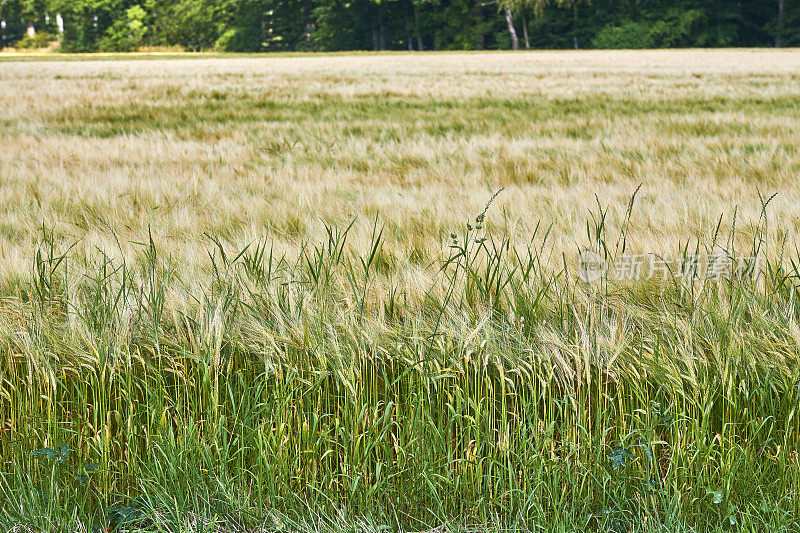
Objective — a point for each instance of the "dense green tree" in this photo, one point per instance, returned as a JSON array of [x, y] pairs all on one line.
[[536, 7], [263, 25], [196, 24], [125, 33], [87, 22], [13, 22]]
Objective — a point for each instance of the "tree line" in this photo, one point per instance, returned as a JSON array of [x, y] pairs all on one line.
[[281, 25]]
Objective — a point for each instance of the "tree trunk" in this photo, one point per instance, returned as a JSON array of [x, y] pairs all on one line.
[[309, 14], [481, 36], [420, 46], [381, 32], [779, 28], [575, 24], [525, 30], [511, 30]]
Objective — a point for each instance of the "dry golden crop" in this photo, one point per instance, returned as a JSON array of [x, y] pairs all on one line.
[[269, 292]]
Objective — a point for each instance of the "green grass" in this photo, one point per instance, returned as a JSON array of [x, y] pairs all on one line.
[[316, 394]]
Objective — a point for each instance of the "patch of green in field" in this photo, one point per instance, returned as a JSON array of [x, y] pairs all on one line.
[[389, 118]]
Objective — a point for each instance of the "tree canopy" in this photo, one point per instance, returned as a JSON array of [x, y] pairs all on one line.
[[265, 25]]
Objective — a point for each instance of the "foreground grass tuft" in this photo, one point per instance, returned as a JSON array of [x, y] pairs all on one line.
[[317, 394]]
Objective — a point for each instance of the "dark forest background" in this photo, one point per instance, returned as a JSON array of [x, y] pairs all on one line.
[[280, 25]]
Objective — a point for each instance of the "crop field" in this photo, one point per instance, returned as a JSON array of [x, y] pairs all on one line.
[[344, 292]]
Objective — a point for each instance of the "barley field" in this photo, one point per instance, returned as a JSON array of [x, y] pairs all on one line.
[[341, 292]]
